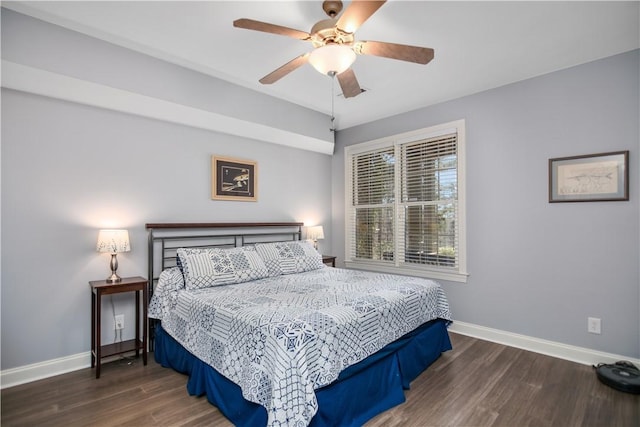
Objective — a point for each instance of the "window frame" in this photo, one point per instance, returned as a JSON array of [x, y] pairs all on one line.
[[458, 274]]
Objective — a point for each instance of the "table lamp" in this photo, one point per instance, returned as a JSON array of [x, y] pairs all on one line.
[[315, 233], [113, 242]]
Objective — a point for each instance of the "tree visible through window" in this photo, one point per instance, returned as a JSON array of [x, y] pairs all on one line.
[[429, 199], [374, 199], [405, 203]]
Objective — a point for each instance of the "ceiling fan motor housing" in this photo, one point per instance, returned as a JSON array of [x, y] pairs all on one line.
[[326, 32]]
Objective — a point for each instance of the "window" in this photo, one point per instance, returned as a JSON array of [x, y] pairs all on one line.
[[405, 203]]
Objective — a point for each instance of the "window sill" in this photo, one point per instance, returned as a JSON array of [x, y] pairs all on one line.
[[452, 276]]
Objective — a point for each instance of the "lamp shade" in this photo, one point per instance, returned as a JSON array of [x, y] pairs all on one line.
[[332, 58], [113, 241], [315, 233]]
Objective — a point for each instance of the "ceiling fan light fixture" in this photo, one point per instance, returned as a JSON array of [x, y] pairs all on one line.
[[332, 58]]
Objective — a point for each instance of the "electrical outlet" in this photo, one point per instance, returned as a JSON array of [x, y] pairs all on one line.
[[120, 321], [593, 325]]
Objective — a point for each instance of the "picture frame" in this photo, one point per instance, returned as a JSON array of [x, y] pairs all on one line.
[[234, 179], [601, 177]]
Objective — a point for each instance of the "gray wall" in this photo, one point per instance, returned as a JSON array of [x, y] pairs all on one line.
[[536, 268], [70, 169]]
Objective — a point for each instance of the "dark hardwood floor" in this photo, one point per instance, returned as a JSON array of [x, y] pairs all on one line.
[[478, 383]]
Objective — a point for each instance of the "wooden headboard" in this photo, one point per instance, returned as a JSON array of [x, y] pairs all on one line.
[[166, 238]]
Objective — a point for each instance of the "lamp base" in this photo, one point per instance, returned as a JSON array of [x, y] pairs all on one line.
[[114, 278]]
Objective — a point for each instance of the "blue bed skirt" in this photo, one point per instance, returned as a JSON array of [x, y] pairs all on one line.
[[361, 392]]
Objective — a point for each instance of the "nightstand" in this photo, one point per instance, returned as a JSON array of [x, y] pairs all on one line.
[[139, 285], [329, 260]]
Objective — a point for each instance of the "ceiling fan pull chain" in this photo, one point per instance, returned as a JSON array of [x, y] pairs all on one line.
[[333, 84]]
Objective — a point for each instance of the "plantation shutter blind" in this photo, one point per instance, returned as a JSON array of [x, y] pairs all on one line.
[[405, 203], [372, 206], [428, 205]]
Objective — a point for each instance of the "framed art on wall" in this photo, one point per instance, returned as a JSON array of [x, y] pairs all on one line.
[[589, 178], [233, 179]]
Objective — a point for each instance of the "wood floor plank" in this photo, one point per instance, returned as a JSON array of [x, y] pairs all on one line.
[[478, 383]]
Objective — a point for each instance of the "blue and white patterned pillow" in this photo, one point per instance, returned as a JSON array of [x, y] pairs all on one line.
[[289, 257], [203, 268]]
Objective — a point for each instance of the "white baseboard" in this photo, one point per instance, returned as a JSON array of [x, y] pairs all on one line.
[[50, 368], [62, 365], [572, 353], [46, 369]]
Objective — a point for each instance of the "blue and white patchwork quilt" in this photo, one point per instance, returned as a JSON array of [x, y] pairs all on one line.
[[282, 337]]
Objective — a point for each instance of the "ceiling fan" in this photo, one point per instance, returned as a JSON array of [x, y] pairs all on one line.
[[335, 47]]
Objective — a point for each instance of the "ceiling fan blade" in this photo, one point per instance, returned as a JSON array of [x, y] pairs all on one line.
[[349, 84], [403, 52], [276, 75], [356, 13], [250, 24]]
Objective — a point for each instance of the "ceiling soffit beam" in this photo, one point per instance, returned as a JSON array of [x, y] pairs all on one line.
[[40, 82]]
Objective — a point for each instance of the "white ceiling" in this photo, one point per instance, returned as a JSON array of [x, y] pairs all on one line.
[[478, 45]]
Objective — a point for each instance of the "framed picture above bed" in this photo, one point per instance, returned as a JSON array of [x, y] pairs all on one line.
[[234, 179], [589, 178]]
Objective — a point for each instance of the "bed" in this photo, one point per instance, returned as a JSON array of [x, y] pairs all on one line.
[[274, 337]]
